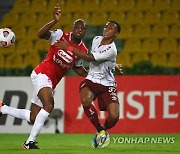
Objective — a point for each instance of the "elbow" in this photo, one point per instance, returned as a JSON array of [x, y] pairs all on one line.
[[39, 35], [43, 35]]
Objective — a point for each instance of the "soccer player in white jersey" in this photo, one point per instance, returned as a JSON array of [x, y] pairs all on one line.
[[48, 73], [100, 82]]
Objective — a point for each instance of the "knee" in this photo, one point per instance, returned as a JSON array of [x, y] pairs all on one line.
[[48, 107], [86, 96], [114, 116], [86, 100]]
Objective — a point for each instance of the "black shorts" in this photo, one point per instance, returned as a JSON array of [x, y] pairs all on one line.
[[105, 94]]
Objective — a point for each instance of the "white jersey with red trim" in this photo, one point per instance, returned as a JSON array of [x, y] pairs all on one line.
[[57, 61], [101, 70]]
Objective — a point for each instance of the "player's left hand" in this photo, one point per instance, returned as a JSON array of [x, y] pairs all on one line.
[[119, 68], [62, 44]]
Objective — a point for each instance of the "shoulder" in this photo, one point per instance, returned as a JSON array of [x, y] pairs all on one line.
[[57, 31], [55, 35], [113, 48], [83, 47], [97, 38]]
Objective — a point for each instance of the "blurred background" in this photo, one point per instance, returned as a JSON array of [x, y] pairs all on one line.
[[149, 42]]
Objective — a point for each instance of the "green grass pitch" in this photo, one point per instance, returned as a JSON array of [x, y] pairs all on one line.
[[81, 144]]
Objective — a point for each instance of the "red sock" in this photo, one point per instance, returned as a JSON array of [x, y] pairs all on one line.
[[91, 113], [109, 123]]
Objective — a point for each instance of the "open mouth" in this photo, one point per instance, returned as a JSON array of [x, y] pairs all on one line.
[[79, 35], [105, 34]]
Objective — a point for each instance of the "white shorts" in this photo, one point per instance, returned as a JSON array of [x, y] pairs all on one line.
[[39, 81]]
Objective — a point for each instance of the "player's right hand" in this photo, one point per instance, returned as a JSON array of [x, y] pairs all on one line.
[[57, 12], [63, 44]]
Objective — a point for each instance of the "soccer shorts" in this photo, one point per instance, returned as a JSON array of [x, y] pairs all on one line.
[[39, 81], [104, 94]]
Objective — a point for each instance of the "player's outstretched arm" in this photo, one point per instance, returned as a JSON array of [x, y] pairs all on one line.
[[80, 71], [65, 46], [44, 32]]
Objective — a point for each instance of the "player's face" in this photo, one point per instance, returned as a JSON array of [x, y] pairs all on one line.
[[79, 30], [110, 30]]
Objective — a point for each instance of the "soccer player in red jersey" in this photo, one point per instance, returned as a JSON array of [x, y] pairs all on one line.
[[48, 73], [100, 82]]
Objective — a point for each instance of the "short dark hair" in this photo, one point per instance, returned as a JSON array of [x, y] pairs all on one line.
[[82, 21], [117, 25]]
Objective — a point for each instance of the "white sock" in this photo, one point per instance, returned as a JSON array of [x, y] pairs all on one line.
[[18, 113], [38, 124]]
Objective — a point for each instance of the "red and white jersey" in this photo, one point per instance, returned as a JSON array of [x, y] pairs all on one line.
[[57, 61], [101, 70]]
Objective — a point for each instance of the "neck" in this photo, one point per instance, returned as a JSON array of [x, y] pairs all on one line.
[[75, 40], [107, 41]]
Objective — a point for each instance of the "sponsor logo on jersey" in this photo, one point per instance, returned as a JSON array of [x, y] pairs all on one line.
[[57, 60], [105, 50], [65, 56]]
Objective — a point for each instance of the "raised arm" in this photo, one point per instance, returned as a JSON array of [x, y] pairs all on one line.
[[44, 32]]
